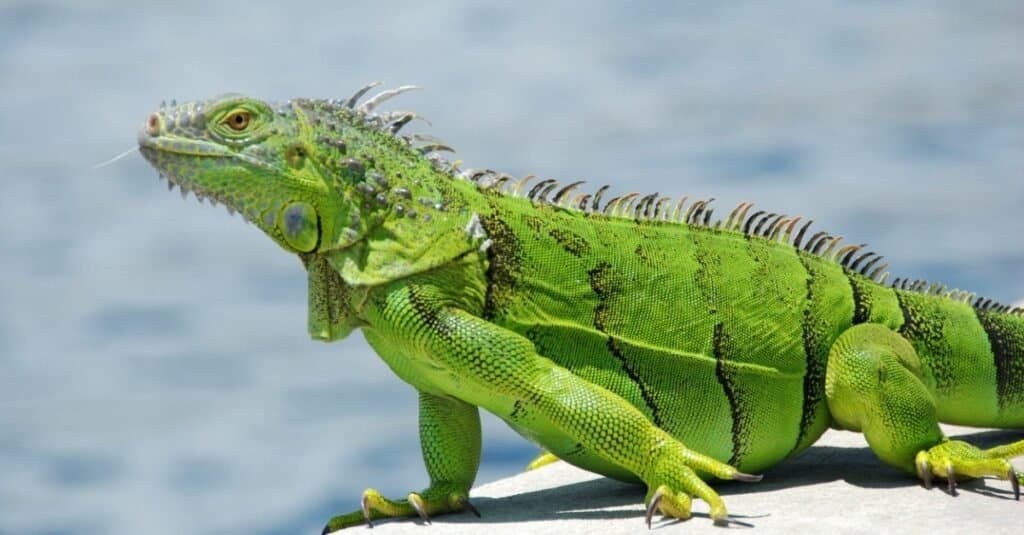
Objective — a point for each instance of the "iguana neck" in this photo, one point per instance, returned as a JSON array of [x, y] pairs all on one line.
[[412, 217]]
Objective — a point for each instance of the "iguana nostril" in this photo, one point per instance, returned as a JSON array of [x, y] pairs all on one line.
[[153, 125]]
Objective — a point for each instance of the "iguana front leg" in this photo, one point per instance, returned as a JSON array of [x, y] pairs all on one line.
[[874, 384], [449, 350], [450, 441]]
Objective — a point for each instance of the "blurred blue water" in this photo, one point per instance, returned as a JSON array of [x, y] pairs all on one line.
[[154, 369]]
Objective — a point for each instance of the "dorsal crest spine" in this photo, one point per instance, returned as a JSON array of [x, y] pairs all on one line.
[[761, 224]]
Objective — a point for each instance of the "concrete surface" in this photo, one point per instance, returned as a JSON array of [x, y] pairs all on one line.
[[837, 486]]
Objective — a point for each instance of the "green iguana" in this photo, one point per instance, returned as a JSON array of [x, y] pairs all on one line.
[[636, 337]]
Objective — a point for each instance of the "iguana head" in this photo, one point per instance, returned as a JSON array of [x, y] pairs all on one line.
[[302, 171]]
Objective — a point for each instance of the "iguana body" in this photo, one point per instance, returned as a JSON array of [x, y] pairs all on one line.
[[635, 337]]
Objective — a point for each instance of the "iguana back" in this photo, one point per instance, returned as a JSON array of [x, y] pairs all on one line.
[[730, 316]]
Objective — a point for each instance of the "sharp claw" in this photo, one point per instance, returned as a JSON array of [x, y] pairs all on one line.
[[1015, 483], [417, 504], [951, 476], [364, 504], [749, 478], [926, 473], [472, 508], [655, 500]]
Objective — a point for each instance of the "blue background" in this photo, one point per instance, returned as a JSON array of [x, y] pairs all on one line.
[[155, 373]]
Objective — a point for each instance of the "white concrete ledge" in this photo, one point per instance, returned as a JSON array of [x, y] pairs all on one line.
[[838, 486]]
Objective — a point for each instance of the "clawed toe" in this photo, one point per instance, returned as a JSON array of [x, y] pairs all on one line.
[[748, 478], [418, 505], [951, 477], [924, 471], [655, 502], [364, 504], [466, 504]]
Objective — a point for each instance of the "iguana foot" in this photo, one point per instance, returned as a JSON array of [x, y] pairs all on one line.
[[545, 458], [954, 458], [431, 502], [674, 480]]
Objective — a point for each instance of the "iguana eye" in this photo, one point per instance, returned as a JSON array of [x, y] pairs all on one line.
[[238, 120]]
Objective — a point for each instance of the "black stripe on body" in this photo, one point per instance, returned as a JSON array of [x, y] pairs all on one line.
[[861, 299], [815, 353], [504, 265], [616, 351], [643, 254], [603, 285], [726, 374], [573, 243], [517, 410], [1006, 337], [428, 313], [925, 332]]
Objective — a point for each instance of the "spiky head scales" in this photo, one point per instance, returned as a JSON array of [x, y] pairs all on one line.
[[283, 166]]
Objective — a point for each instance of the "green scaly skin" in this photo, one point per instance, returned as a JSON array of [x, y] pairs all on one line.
[[637, 338]]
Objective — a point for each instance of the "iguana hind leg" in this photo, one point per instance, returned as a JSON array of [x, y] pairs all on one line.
[[874, 384], [450, 440]]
